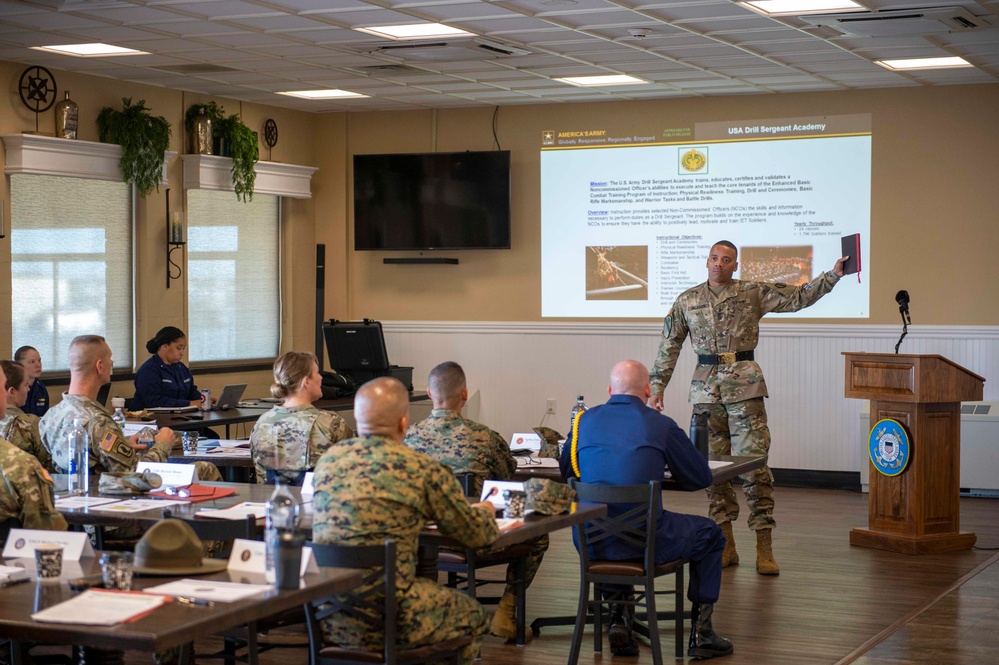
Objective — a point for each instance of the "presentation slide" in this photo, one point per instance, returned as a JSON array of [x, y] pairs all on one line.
[[627, 220]]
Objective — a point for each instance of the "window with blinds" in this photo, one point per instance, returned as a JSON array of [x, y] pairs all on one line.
[[71, 265], [233, 278]]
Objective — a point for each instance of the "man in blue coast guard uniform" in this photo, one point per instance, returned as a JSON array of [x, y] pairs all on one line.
[[624, 442]]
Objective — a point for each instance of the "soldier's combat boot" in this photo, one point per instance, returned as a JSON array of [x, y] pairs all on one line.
[[504, 622], [765, 564], [704, 643], [622, 639], [729, 557]]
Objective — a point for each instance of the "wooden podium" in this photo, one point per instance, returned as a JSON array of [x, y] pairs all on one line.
[[916, 512]]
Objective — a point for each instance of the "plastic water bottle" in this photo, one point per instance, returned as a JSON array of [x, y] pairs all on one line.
[[146, 437], [577, 407], [282, 518], [79, 459], [119, 411], [699, 432]]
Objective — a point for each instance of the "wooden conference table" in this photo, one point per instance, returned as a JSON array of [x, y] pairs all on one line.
[[737, 466], [170, 625]]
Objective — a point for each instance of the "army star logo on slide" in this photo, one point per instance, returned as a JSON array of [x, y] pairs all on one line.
[[889, 447]]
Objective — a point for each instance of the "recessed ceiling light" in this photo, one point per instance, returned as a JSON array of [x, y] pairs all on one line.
[[89, 50], [609, 79], [800, 7], [924, 63], [415, 31], [322, 94]]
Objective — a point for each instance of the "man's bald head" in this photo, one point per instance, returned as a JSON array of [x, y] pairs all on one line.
[[85, 351], [629, 377], [381, 407]]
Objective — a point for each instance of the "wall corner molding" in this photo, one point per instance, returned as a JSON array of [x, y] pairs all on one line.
[[72, 158], [214, 173]]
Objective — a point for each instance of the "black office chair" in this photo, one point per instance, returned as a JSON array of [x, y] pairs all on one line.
[[365, 605], [636, 526], [461, 565]]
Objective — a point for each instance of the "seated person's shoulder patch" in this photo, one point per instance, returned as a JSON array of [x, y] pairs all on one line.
[[123, 449], [108, 441]]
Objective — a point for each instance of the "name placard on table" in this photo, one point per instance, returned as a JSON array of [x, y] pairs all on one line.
[[21, 543], [173, 475], [250, 556], [525, 441]]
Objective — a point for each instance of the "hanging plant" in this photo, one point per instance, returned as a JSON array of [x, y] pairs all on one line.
[[243, 146], [143, 137]]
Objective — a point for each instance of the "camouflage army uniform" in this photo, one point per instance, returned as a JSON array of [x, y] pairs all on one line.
[[26, 492], [293, 439], [21, 429], [371, 488], [732, 394], [468, 447], [109, 449]]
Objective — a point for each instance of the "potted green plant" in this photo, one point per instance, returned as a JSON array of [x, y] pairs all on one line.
[[242, 145], [143, 137]]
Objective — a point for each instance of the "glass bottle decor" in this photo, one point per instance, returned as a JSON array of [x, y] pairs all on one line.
[[67, 118]]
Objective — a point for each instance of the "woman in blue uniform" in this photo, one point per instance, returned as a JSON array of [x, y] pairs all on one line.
[[164, 380]]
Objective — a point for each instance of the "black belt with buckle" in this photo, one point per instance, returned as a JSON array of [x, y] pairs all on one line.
[[724, 358]]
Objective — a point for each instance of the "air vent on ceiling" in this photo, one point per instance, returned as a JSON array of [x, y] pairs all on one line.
[[477, 49], [901, 22], [197, 68]]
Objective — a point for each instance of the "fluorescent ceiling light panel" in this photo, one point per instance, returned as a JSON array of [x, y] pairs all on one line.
[[610, 79], [323, 94], [415, 31], [800, 7], [924, 63], [89, 50]]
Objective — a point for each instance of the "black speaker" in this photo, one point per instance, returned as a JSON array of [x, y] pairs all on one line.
[[320, 300]]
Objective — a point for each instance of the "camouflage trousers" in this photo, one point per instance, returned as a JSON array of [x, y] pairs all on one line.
[[741, 428], [428, 614]]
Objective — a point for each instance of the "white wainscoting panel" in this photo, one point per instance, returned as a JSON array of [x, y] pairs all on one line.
[[518, 365]]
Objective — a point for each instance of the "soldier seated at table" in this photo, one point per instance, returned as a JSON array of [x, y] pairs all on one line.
[[469, 447], [371, 488], [289, 439], [18, 427], [90, 365], [27, 496]]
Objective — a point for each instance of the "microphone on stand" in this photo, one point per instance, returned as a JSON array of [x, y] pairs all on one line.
[[902, 298]]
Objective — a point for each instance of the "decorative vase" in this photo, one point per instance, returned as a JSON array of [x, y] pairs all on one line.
[[201, 135], [67, 118]]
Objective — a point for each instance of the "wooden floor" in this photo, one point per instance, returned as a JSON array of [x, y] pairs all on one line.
[[832, 603]]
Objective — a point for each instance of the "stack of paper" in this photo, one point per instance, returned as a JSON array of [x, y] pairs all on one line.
[[210, 590], [237, 512], [99, 607], [12, 574]]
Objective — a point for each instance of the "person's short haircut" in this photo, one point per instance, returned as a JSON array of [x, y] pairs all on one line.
[[14, 371], [22, 351], [83, 351], [166, 335], [447, 380], [727, 243], [289, 370]]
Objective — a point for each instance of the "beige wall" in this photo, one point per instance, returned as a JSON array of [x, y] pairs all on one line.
[[935, 201], [156, 305]]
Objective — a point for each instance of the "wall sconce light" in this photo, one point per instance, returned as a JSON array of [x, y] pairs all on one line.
[[174, 240]]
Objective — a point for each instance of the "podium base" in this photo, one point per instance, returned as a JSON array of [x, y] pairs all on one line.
[[894, 542]]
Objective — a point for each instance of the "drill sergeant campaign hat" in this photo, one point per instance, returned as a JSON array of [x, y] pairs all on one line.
[[548, 497], [128, 482], [170, 547]]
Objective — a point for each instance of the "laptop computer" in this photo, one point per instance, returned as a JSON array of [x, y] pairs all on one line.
[[229, 397]]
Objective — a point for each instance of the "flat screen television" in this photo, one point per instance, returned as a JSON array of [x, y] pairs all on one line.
[[440, 200]]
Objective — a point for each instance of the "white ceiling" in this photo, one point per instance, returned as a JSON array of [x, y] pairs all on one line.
[[251, 49]]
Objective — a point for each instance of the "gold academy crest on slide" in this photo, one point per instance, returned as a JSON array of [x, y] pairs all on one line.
[[889, 447], [693, 160]]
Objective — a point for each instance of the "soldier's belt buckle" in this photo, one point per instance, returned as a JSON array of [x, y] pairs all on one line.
[[726, 358]]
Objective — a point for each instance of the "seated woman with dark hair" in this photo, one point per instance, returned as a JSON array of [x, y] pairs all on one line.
[[16, 426], [164, 380], [289, 439]]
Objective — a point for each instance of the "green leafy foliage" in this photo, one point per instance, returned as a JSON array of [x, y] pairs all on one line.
[[236, 140], [143, 137]]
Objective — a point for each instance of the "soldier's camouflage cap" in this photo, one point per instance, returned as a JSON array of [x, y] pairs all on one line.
[[129, 482], [549, 441], [548, 497]]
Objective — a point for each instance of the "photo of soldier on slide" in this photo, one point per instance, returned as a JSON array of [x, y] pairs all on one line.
[[617, 273], [787, 265]]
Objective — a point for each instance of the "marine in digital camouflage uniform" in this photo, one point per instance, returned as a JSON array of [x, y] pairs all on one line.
[[373, 487], [722, 316], [21, 429], [466, 446], [290, 440], [26, 491]]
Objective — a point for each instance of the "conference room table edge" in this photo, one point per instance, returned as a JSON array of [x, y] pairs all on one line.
[[740, 464]]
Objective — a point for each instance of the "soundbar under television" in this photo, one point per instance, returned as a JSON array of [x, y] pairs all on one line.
[[440, 200]]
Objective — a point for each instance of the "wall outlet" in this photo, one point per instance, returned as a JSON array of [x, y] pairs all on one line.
[[550, 408]]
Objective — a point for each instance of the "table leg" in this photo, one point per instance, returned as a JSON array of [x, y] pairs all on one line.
[[426, 560]]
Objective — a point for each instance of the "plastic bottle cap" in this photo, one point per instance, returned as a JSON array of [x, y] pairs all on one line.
[[118, 402]]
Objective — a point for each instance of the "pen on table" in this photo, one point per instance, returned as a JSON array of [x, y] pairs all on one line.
[[6, 583], [195, 601]]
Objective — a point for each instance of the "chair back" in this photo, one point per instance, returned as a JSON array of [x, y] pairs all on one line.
[[634, 523], [372, 603], [470, 484], [221, 529]]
